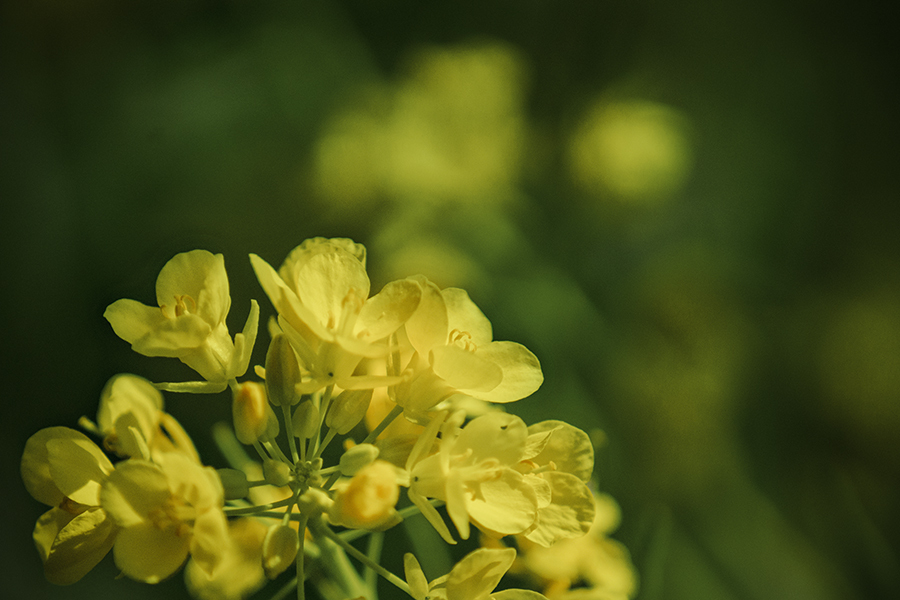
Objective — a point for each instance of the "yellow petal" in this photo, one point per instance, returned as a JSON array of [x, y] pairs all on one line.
[[35, 465], [134, 489], [522, 374], [494, 435], [570, 513], [129, 394], [76, 544], [210, 539], [478, 573], [201, 275], [149, 554], [569, 448], [415, 577], [507, 505], [465, 370], [385, 312], [427, 326], [78, 467], [464, 315]]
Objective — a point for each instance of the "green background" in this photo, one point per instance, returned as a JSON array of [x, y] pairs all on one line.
[[730, 318]]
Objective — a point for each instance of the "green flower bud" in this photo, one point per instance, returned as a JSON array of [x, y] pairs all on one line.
[[282, 372]]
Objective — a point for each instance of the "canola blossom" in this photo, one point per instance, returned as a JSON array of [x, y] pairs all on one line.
[[363, 401]]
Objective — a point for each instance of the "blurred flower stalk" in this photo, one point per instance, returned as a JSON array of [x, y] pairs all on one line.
[[437, 428]]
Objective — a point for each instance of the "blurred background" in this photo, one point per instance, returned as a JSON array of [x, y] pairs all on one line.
[[686, 209]]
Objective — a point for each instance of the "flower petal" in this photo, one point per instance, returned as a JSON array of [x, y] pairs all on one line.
[[478, 573], [465, 370], [324, 282], [495, 435], [210, 539], [151, 333], [78, 467], [134, 489], [201, 275], [464, 315], [522, 374], [76, 544], [518, 594], [129, 394], [507, 506], [35, 465], [385, 312], [569, 448], [415, 577], [570, 513], [426, 328], [149, 554]]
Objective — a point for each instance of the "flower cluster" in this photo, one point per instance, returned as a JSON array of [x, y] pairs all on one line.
[[411, 379]]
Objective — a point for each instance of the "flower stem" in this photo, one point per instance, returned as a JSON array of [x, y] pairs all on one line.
[[322, 529]]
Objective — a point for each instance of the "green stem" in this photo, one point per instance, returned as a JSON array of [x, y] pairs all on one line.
[[233, 511], [373, 551], [289, 429], [301, 586], [387, 420], [322, 529], [336, 561]]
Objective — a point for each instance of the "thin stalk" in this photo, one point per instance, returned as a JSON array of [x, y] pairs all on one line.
[[349, 549], [373, 551], [233, 511], [289, 429], [301, 587]]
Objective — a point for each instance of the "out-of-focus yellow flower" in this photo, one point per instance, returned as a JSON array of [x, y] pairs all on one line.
[[321, 293], [472, 578], [600, 565], [166, 510], [367, 501], [193, 296], [639, 151], [455, 353], [62, 468], [452, 131], [133, 423], [240, 572]]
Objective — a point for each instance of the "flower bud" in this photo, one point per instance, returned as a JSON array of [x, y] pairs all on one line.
[[282, 372], [234, 483], [279, 550], [368, 500], [250, 412], [348, 409], [306, 420], [276, 472], [357, 457], [314, 501]]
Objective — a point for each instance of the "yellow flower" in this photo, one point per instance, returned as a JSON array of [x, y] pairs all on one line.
[[455, 354], [62, 468], [367, 501], [472, 578], [558, 463], [321, 293], [602, 565], [166, 510], [193, 296], [240, 572], [132, 421], [473, 473]]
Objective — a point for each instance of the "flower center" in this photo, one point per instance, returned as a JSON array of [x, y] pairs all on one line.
[[463, 339], [173, 516], [184, 304]]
